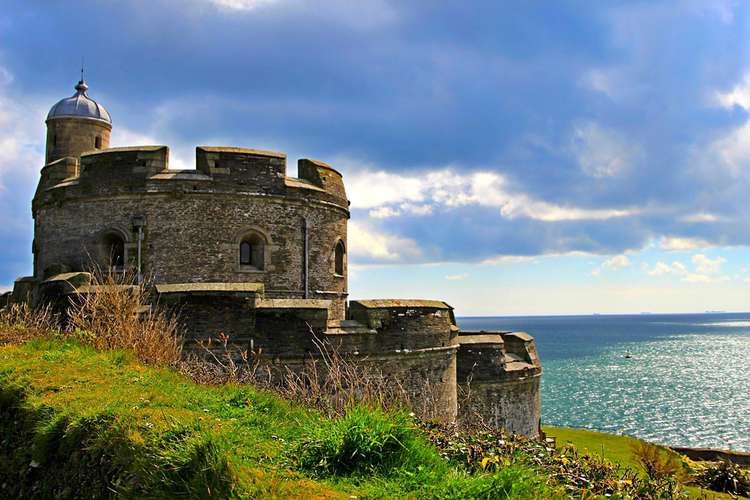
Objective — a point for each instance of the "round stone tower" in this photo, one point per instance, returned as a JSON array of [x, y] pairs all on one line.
[[75, 125]]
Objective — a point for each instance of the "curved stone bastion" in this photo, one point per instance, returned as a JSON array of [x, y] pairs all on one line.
[[238, 248]]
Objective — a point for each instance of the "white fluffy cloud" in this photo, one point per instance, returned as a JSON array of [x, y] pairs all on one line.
[[738, 96], [705, 265], [705, 269], [391, 195], [681, 244], [616, 262], [366, 243]]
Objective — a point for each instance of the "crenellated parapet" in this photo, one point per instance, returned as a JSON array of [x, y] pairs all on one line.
[[407, 324], [219, 170]]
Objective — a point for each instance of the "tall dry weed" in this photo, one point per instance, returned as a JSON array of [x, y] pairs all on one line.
[[110, 314], [20, 323], [329, 381]]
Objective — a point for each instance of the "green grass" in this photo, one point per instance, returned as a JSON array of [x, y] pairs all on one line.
[[76, 420], [616, 449]]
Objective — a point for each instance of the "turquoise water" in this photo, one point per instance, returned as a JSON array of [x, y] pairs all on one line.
[[687, 382]]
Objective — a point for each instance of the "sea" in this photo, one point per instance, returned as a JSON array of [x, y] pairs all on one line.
[[675, 379]]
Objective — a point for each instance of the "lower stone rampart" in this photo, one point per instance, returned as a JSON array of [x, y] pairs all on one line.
[[414, 345], [499, 376], [427, 377]]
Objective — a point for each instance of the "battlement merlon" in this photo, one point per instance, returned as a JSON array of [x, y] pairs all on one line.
[[218, 169], [497, 356]]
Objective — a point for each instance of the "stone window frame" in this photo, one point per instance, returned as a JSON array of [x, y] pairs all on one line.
[[244, 235], [103, 259], [339, 243], [98, 142]]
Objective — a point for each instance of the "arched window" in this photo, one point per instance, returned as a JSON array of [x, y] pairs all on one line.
[[98, 142], [339, 255], [252, 252], [114, 246]]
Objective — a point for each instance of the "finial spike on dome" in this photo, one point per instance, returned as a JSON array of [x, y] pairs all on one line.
[[81, 87]]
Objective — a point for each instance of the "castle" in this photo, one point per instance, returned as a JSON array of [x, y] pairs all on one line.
[[242, 249]]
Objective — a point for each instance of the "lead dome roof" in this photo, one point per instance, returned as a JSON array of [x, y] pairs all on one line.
[[80, 105]]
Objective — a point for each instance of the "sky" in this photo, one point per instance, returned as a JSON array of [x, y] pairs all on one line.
[[509, 158]]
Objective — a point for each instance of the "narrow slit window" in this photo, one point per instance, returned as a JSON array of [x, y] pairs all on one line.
[[98, 142], [246, 253], [339, 256]]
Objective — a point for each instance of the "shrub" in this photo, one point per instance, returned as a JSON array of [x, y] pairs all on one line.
[[656, 462], [362, 441], [110, 314], [724, 476]]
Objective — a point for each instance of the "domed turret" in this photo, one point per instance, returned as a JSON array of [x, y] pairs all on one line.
[[79, 105], [77, 124]]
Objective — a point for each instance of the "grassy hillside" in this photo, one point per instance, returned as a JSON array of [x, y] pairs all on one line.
[[81, 422]]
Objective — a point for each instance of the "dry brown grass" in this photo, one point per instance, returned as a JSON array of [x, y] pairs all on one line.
[[20, 323], [329, 382], [110, 314]]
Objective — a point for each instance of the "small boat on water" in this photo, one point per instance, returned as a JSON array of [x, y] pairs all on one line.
[[628, 355]]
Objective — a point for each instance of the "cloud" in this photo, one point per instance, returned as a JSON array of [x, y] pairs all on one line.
[[242, 4], [682, 244], [179, 158], [369, 245], [602, 152], [733, 150], [21, 159], [700, 217], [738, 96], [457, 277], [706, 270], [391, 195], [507, 259], [615, 263], [385, 212], [662, 268], [705, 265]]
